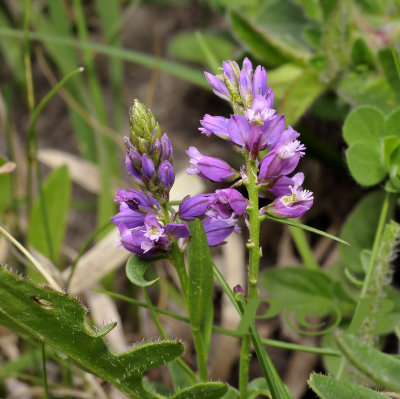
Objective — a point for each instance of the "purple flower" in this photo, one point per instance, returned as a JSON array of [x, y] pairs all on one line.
[[217, 230], [218, 86], [211, 168], [262, 109], [166, 148], [136, 200], [293, 205], [135, 241], [166, 177], [260, 82], [194, 207], [253, 137], [128, 217], [217, 125], [148, 168], [228, 202]]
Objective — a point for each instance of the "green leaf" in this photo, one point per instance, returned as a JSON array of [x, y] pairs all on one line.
[[257, 387], [301, 95], [361, 54], [282, 78], [231, 394], [57, 195], [264, 45], [330, 388], [187, 47], [389, 148], [389, 68], [392, 125], [360, 228], [312, 8], [135, 270], [380, 367], [365, 164], [58, 320], [203, 390], [364, 124], [201, 281], [367, 88]]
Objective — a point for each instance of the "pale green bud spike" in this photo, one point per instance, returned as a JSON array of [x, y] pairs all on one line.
[[143, 122]]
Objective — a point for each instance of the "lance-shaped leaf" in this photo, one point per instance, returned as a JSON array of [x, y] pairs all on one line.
[[329, 388], [59, 320], [380, 367], [204, 390], [201, 281]]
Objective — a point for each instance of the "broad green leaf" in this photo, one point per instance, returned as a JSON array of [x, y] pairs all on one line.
[[266, 46], [187, 47], [203, 390], [335, 38], [372, 6], [364, 124], [360, 228], [389, 148], [301, 95], [389, 68], [58, 320], [392, 126], [366, 88], [231, 394], [380, 367], [361, 54], [365, 164], [201, 281], [282, 78], [330, 388], [312, 34], [56, 194], [327, 7], [135, 270]]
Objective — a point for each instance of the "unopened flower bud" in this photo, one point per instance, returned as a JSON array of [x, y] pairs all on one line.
[[143, 123]]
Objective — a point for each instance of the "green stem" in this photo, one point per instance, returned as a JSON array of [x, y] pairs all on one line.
[[45, 386], [254, 262], [303, 247], [179, 263], [367, 279], [266, 341]]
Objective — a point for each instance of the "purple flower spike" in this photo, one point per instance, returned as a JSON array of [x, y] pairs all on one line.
[[217, 230], [239, 130], [260, 82], [217, 125], [194, 207], [136, 242], [290, 206], [218, 86]]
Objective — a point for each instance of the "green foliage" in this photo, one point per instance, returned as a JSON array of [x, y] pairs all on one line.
[[330, 388], [135, 270], [372, 152], [380, 367], [201, 281], [204, 390], [56, 195], [359, 229], [58, 320], [5, 188]]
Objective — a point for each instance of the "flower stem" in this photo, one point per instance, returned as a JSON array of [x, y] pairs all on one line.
[[254, 261]]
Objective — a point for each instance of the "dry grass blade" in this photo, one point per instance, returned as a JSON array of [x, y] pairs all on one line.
[[8, 167]]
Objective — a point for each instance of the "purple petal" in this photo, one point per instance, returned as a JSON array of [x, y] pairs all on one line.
[[166, 148], [260, 81], [136, 200], [272, 131], [177, 229], [137, 176], [281, 187], [216, 169], [134, 241], [218, 87], [270, 98], [128, 217], [247, 66], [148, 167], [166, 174], [245, 87], [194, 207], [239, 130], [216, 230], [215, 124]]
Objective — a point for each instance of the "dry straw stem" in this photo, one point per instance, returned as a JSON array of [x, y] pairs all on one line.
[[35, 263]]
